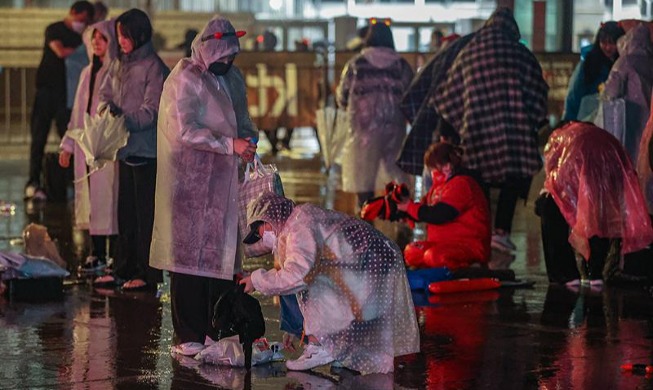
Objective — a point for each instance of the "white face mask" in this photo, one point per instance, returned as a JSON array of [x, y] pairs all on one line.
[[78, 27], [269, 240]]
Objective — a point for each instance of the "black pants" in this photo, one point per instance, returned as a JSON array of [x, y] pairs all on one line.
[[559, 256], [135, 222], [192, 299], [49, 104], [510, 192], [99, 246]]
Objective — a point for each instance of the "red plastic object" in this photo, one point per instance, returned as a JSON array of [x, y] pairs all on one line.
[[414, 253], [637, 368], [460, 285]]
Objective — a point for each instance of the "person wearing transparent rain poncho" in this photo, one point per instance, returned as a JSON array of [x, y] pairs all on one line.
[[349, 279], [204, 128]]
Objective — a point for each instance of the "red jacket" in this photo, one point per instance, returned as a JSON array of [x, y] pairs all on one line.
[[471, 227]]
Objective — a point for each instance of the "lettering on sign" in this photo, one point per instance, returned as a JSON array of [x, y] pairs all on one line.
[[276, 95]]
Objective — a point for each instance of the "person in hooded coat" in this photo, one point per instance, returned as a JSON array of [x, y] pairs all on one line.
[[370, 89], [593, 184], [96, 199], [631, 78], [204, 128], [349, 279], [596, 60], [418, 107], [133, 90], [496, 98]]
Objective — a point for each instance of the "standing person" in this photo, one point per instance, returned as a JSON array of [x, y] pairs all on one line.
[[593, 69], [133, 89], [371, 87], [349, 279], [96, 199], [631, 78], [496, 99], [78, 60], [204, 128], [61, 40]]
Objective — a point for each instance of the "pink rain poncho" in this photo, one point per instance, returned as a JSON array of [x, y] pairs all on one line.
[[349, 279], [592, 181]]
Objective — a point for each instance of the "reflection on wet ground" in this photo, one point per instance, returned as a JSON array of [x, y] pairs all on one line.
[[541, 337]]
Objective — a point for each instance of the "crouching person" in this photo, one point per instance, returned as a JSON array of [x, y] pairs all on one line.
[[349, 279]]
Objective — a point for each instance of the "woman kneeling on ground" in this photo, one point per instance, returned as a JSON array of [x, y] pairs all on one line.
[[455, 209]]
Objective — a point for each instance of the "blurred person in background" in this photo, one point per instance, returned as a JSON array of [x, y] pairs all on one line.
[[51, 101], [370, 90]]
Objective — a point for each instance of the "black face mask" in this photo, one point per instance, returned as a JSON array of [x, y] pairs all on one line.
[[220, 68]]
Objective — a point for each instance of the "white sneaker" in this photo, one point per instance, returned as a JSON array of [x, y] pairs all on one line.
[[188, 349], [313, 356], [502, 243]]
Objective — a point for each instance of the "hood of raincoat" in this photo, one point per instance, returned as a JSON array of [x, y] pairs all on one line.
[[636, 42], [271, 208], [107, 29], [503, 20], [205, 53], [380, 57]]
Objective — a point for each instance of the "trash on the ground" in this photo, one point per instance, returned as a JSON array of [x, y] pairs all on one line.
[[39, 244], [229, 352]]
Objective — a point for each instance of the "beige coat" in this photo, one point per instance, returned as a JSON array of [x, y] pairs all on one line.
[[96, 199]]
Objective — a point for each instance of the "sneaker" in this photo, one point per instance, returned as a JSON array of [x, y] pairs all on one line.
[[502, 242], [313, 356], [92, 265], [188, 349]]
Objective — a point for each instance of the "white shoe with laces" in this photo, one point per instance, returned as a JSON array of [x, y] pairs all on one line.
[[312, 356]]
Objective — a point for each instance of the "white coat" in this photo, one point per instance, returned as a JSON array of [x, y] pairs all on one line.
[[196, 202], [96, 199]]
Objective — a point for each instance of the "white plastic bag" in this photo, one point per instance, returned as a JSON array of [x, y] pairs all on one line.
[[229, 352]]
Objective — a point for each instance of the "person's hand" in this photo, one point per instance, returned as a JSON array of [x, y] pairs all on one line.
[[403, 206], [247, 281], [244, 148], [289, 341], [114, 110], [64, 159]]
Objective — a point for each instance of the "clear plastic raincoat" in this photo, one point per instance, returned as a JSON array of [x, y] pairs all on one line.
[[97, 196], [631, 78], [370, 89], [196, 204], [350, 282], [594, 185]]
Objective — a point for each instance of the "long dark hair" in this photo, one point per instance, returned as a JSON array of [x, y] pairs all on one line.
[[135, 25], [379, 35], [595, 59]]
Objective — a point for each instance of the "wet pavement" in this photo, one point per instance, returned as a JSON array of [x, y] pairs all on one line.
[[544, 337]]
